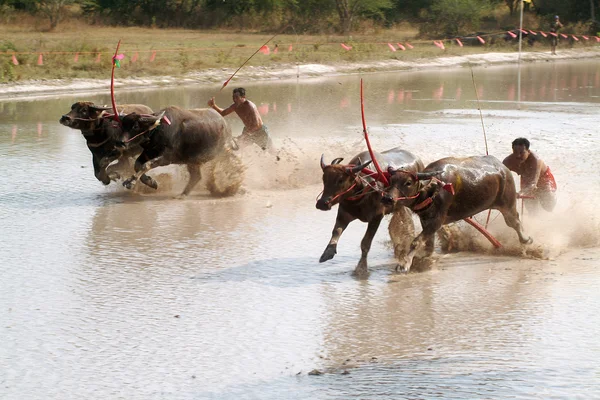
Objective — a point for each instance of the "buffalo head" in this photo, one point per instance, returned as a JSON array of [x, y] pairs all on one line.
[[135, 124], [405, 185], [337, 179], [84, 115]]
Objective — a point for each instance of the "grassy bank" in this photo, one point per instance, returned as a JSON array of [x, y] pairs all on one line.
[[77, 50]]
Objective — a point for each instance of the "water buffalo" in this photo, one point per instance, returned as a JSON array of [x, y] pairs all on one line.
[[177, 136], [452, 189], [357, 198], [102, 134]]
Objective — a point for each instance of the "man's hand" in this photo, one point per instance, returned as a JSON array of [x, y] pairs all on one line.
[[211, 102]]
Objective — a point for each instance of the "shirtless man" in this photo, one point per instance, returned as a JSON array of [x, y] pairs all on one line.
[[536, 179], [254, 129]]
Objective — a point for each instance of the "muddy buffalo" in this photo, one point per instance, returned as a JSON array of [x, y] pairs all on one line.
[[178, 136], [101, 133], [452, 189], [359, 197]]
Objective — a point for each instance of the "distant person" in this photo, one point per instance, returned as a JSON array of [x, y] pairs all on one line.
[[536, 179], [254, 130], [554, 28]]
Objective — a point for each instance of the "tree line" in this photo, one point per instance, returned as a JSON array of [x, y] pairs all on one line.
[[445, 17]]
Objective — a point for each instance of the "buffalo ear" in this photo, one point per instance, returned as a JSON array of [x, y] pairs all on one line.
[[323, 161], [337, 161], [390, 170], [428, 175]]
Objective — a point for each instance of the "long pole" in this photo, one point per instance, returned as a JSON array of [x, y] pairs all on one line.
[[519, 59]]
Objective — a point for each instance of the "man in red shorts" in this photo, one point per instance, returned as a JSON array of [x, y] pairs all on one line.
[[536, 179]]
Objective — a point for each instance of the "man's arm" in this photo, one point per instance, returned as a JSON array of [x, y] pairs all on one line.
[[223, 112]]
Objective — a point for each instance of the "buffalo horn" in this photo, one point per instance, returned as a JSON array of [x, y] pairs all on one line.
[[358, 168], [152, 118], [100, 108], [323, 161], [337, 161], [428, 175]]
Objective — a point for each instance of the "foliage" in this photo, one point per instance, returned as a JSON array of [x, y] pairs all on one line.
[[454, 17]]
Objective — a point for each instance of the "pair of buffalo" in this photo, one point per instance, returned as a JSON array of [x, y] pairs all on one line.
[[445, 191], [171, 136]]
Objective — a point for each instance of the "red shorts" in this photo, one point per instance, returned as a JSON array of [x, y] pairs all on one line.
[[547, 181]]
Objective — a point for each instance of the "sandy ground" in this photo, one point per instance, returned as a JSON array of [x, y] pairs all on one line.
[[45, 88]]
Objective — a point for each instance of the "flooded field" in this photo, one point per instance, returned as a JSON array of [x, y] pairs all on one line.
[[108, 293]]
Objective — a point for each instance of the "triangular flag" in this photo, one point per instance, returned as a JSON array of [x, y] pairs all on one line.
[[481, 39], [512, 34], [135, 57], [543, 34], [40, 60], [346, 47], [575, 38], [459, 42], [14, 60], [98, 57], [76, 58], [153, 56], [410, 46], [265, 50], [401, 47], [391, 46]]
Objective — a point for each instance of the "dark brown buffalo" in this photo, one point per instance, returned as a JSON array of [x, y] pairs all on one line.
[[176, 136], [344, 184], [477, 184], [102, 134]]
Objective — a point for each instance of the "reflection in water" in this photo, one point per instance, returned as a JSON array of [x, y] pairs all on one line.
[[107, 293]]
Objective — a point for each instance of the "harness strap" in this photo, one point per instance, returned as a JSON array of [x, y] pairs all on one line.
[[94, 145]]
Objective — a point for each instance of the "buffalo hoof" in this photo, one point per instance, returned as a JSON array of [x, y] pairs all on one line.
[[361, 272], [129, 183], [328, 254], [148, 181], [113, 176], [528, 241], [401, 269]]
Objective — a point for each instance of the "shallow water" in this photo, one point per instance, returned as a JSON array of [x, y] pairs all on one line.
[[107, 293]]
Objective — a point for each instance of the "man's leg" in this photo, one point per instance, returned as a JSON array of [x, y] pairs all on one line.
[[547, 199]]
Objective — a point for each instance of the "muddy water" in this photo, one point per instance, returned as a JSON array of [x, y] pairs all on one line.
[[107, 293]]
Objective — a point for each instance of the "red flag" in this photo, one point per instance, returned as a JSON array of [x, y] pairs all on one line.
[[346, 47], [563, 35], [533, 33], [153, 56], [263, 109], [14, 60], [39, 129], [543, 34], [512, 34], [575, 38], [290, 48], [135, 57], [265, 50], [76, 58], [410, 46], [585, 37], [289, 107], [276, 49], [459, 42], [481, 39], [98, 57], [401, 47], [391, 46], [553, 34], [439, 44], [40, 60], [597, 38]]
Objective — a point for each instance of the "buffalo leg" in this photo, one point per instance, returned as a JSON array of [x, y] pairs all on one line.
[[365, 244], [511, 217], [145, 179], [195, 176], [341, 223], [159, 161], [424, 239], [99, 172]]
